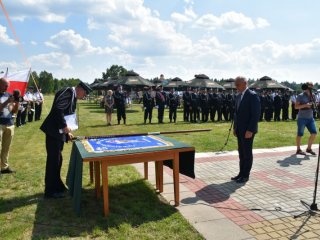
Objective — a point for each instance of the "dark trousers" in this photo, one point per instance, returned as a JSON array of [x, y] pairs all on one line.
[[219, 110], [195, 114], [245, 155], [277, 114], [160, 113], [23, 116], [148, 113], [225, 112], [268, 114], [53, 182], [262, 113], [173, 114], [186, 112], [213, 111], [18, 119], [204, 114], [294, 112], [30, 116], [38, 110], [285, 113], [121, 113]]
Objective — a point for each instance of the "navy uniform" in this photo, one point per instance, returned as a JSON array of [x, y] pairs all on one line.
[[213, 99], [230, 100], [262, 104], [195, 114], [148, 104], [277, 107], [161, 100], [173, 102], [268, 107], [186, 105], [220, 105], [120, 102], [204, 105], [57, 132], [285, 106]]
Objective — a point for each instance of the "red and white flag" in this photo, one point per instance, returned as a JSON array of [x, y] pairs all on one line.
[[18, 80]]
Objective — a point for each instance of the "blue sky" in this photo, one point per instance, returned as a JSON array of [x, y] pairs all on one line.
[[221, 39]]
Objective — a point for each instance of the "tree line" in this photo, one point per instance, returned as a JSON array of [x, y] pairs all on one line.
[[49, 84]]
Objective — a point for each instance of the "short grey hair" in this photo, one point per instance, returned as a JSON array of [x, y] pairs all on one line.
[[241, 79]]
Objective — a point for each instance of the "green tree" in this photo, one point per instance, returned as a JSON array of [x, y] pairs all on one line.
[[46, 82], [115, 71]]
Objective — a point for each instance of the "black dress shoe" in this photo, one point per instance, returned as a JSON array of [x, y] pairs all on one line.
[[242, 180], [8, 170], [235, 178], [55, 195]]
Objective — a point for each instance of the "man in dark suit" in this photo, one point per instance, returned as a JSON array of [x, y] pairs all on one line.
[[161, 100], [246, 118], [148, 104], [120, 102], [57, 132]]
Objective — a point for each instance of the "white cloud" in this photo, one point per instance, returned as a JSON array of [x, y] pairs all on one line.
[[70, 42], [4, 38], [181, 18], [51, 17], [230, 21], [52, 59], [10, 65], [34, 43], [262, 23]]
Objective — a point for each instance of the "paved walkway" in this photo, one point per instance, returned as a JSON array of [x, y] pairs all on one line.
[[263, 208]]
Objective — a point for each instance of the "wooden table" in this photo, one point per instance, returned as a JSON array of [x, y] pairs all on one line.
[[101, 161], [157, 156]]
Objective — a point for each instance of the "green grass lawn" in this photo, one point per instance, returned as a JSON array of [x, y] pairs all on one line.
[[136, 212]]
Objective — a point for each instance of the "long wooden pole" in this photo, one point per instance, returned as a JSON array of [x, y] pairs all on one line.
[[141, 134]]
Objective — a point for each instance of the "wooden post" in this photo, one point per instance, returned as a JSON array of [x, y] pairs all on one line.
[[145, 170], [105, 188], [91, 172], [176, 178], [97, 179]]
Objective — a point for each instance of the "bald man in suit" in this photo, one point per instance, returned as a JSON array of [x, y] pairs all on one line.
[[246, 118]]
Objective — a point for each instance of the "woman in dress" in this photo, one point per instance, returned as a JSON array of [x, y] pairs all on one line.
[[108, 105]]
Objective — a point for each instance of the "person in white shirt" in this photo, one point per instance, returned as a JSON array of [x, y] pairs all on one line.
[[29, 97], [38, 96]]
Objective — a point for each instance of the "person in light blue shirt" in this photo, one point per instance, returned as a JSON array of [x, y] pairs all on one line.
[[305, 118]]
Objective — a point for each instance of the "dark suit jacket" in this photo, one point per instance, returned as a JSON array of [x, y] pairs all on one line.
[[61, 106], [246, 117]]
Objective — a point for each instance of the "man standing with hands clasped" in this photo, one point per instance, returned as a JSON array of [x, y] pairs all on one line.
[[246, 118], [57, 127]]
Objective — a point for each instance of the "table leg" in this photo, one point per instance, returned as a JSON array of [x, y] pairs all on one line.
[[91, 171], [145, 170], [157, 174], [176, 178], [160, 172], [97, 179], [104, 169]]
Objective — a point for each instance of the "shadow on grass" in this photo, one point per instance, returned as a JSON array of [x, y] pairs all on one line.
[[214, 193], [132, 204], [293, 160]]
